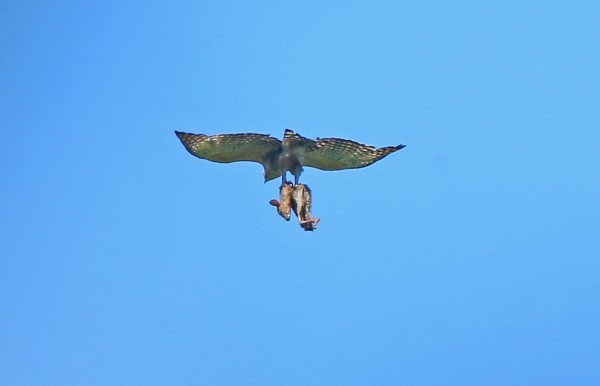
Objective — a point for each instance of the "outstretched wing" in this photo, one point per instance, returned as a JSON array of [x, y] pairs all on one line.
[[231, 147], [338, 154]]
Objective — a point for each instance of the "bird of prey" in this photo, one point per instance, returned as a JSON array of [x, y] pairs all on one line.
[[290, 155]]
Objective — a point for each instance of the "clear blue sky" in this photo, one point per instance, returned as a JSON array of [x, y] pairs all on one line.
[[471, 257]]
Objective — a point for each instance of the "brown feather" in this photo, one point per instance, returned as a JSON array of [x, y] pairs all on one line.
[[338, 154], [227, 148]]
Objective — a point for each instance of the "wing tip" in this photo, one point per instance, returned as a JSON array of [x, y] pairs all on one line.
[[385, 151], [187, 137], [391, 149]]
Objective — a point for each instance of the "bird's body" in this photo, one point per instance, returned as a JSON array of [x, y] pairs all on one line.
[[289, 155]]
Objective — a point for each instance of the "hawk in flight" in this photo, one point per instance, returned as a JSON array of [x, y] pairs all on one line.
[[290, 155]]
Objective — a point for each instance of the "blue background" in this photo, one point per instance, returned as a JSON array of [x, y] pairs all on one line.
[[470, 257]]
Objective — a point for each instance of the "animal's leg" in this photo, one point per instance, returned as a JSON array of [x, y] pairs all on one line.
[[284, 178], [313, 221]]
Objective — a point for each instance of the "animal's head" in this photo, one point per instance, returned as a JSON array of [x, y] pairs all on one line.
[[282, 210]]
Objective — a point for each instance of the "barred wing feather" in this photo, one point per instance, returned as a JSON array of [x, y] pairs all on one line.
[[339, 154], [227, 148]]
